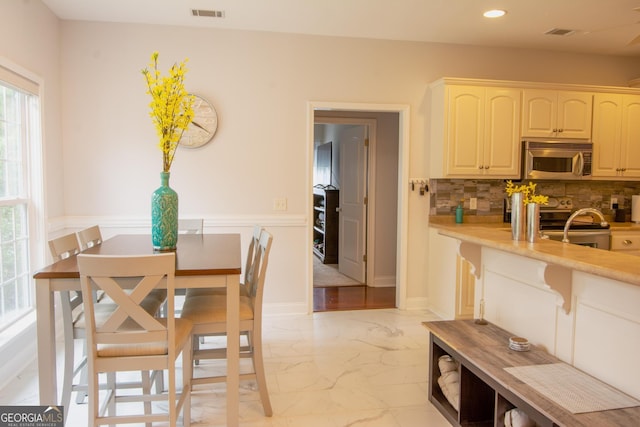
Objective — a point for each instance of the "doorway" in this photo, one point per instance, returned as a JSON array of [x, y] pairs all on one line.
[[369, 243]]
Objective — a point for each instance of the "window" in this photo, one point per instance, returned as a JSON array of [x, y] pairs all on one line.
[[19, 130]]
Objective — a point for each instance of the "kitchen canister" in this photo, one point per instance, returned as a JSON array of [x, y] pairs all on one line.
[[635, 209]]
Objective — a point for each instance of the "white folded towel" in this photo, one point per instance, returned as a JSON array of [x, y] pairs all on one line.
[[518, 418], [446, 363], [450, 385]]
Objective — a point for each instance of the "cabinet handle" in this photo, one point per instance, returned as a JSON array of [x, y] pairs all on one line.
[[561, 130], [555, 130], [627, 242]]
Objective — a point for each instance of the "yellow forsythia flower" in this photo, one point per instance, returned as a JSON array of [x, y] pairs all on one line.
[[171, 106], [529, 192]]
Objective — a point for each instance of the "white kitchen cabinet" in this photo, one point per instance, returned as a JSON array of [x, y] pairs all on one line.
[[616, 136], [475, 132], [451, 284], [627, 242], [556, 114]]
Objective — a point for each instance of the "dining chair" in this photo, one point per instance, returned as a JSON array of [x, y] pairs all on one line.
[[89, 237], [190, 226], [248, 269], [248, 274], [209, 316], [132, 339], [73, 321]]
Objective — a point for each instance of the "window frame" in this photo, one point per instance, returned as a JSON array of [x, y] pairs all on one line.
[[22, 330]]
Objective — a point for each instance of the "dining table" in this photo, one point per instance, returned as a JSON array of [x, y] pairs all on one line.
[[202, 261]]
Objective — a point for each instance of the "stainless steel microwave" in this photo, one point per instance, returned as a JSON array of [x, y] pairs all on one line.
[[556, 159]]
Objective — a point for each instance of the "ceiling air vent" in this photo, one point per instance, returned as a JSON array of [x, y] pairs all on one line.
[[559, 32], [208, 13]]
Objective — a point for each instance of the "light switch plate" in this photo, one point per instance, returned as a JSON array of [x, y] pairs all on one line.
[[280, 204], [473, 203]]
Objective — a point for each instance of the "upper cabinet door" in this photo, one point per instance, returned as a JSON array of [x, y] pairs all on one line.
[[607, 128], [465, 130], [616, 136], [574, 114], [630, 138], [556, 114], [539, 113], [501, 148]]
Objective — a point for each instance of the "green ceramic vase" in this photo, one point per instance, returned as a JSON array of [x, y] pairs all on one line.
[[164, 216]]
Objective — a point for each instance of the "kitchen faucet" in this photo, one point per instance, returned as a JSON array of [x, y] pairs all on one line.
[[603, 223]]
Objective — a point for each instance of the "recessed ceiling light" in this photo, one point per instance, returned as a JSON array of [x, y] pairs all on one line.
[[495, 13]]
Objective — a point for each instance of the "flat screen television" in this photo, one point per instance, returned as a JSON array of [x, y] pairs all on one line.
[[322, 167]]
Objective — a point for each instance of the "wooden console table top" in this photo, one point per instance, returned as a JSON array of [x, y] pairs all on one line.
[[484, 350]]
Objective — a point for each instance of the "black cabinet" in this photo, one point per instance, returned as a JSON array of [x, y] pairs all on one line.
[[325, 225]]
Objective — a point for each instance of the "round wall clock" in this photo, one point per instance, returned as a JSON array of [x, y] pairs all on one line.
[[202, 127]]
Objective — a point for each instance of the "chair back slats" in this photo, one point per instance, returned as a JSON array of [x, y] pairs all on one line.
[[89, 237], [252, 253], [128, 304], [260, 263], [130, 322], [64, 247], [190, 226]]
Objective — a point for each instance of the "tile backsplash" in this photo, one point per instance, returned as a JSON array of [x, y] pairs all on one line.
[[490, 194]]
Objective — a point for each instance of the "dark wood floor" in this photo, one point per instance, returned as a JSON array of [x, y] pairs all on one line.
[[353, 298]]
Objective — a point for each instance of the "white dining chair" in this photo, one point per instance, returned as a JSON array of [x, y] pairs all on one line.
[[248, 275], [71, 308], [132, 339], [209, 316], [190, 226], [73, 321], [248, 269], [89, 237]]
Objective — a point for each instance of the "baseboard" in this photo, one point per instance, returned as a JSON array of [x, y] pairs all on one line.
[[418, 303], [285, 309], [384, 282]]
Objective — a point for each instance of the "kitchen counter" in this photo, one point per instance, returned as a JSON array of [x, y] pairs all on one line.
[[578, 303], [611, 265]]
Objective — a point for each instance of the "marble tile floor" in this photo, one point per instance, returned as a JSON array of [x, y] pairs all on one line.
[[332, 369]]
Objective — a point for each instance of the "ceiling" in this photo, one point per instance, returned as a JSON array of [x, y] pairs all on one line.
[[600, 26]]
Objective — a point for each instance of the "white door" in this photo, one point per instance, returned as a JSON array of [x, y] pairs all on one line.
[[352, 216]]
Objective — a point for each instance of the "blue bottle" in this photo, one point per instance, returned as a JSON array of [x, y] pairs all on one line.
[[459, 212]]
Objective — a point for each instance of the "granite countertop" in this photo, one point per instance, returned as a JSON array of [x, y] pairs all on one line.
[[612, 265]]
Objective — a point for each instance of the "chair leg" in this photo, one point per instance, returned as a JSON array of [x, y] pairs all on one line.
[[146, 391], [69, 345], [67, 379], [258, 366], [111, 389], [187, 372], [81, 395]]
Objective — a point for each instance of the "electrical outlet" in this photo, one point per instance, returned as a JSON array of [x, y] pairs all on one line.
[[473, 203], [614, 200], [280, 204]]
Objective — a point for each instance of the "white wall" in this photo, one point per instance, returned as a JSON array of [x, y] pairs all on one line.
[[29, 39], [260, 84]]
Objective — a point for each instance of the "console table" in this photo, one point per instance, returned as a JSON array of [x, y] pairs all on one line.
[[488, 391]]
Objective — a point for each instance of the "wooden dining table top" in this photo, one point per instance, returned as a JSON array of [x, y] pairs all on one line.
[[196, 254]]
